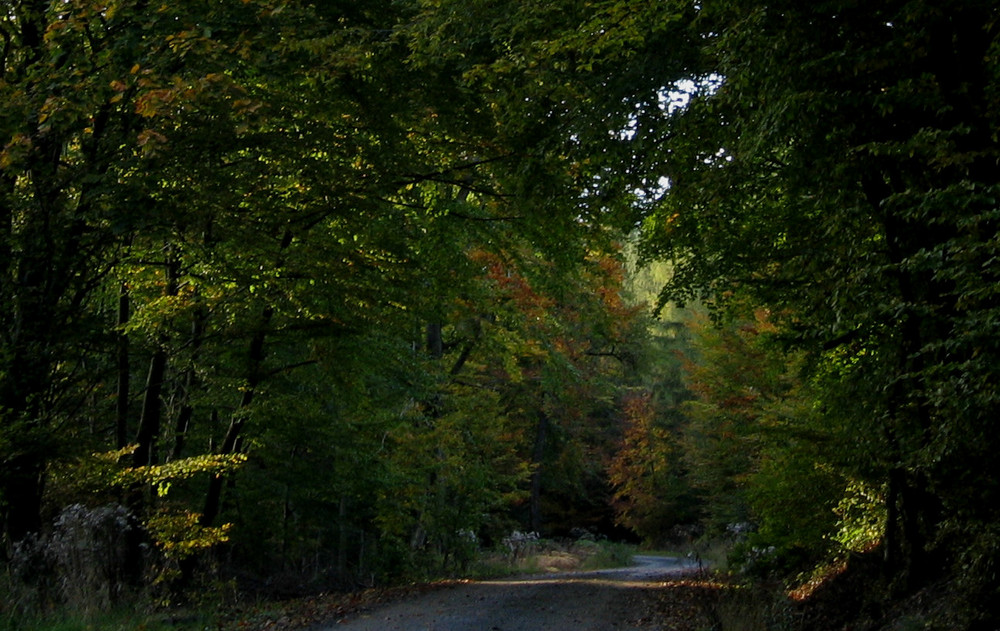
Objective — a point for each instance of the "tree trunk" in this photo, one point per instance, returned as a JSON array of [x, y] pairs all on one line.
[[435, 341], [145, 453], [22, 494], [255, 360], [148, 436], [470, 344], [342, 538], [186, 412], [913, 512], [25, 377], [537, 458], [124, 368]]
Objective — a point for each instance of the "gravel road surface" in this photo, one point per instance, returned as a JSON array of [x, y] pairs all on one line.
[[601, 600]]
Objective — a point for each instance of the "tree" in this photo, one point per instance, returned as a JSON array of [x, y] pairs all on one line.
[[770, 467], [652, 496], [80, 89], [216, 215], [836, 164]]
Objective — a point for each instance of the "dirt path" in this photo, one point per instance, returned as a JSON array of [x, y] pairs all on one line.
[[603, 600]]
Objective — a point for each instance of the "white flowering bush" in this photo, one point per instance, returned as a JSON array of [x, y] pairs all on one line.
[[80, 564], [517, 543]]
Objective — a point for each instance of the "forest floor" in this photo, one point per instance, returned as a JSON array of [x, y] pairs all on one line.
[[655, 593]]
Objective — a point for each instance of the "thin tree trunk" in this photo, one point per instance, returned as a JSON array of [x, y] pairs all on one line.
[[255, 361], [186, 412], [470, 344], [148, 436], [538, 455], [913, 513], [124, 368], [148, 433], [342, 538], [255, 356], [145, 453], [435, 341]]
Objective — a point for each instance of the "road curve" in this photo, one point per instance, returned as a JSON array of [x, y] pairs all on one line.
[[600, 600]]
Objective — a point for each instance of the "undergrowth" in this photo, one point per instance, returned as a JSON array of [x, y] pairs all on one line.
[[536, 556], [605, 554], [121, 619], [547, 555]]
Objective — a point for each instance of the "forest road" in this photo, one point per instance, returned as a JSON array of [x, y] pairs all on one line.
[[601, 600]]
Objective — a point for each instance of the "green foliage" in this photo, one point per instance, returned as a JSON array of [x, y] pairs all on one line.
[[607, 554], [449, 474], [162, 476], [175, 531], [767, 457], [212, 199], [862, 518], [831, 165], [732, 379], [356, 267], [977, 569]]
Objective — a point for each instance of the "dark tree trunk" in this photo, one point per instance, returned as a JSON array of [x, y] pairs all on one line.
[[435, 341], [145, 453], [124, 369], [22, 493], [467, 348], [342, 539], [148, 435], [913, 512], [255, 360], [186, 412], [537, 458]]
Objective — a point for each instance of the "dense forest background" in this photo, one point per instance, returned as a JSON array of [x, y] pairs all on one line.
[[322, 295]]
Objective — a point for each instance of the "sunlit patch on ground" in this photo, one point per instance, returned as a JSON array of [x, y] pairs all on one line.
[[826, 574]]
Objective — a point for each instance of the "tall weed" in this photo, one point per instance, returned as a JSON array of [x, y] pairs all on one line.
[[79, 567]]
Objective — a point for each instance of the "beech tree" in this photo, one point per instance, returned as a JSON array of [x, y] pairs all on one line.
[[216, 217], [213, 212], [835, 163], [79, 91]]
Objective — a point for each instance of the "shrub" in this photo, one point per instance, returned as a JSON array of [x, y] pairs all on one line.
[[80, 565]]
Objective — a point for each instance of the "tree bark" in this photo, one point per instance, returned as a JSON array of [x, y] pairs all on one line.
[[124, 368], [435, 340], [145, 453], [148, 436], [186, 412], [254, 375], [537, 458], [255, 361], [912, 513]]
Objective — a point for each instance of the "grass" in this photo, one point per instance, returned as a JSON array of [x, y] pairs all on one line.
[[119, 620], [550, 556], [540, 557], [605, 554]]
